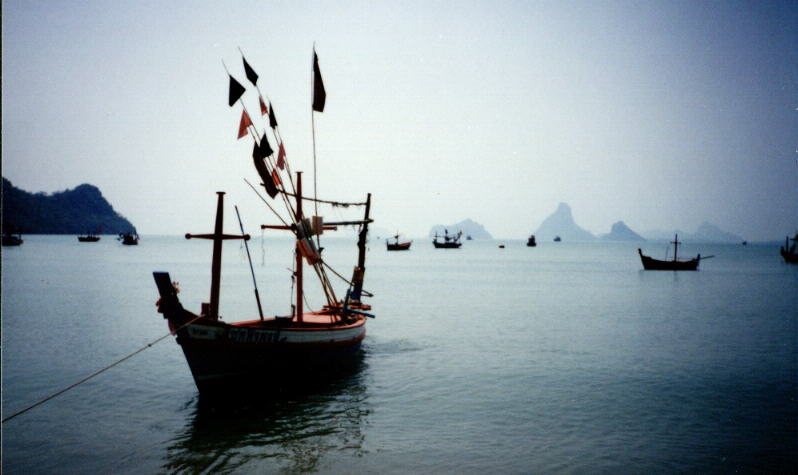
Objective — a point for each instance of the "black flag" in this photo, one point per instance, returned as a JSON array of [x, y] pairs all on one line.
[[272, 118], [236, 91], [266, 176], [265, 148], [251, 74], [319, 94]]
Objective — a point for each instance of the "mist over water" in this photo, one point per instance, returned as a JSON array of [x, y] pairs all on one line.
[[563, 357]]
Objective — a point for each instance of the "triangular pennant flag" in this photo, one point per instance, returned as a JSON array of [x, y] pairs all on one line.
[[263, 109], [251, 74], [265, 176], [245, 122], [272, 118], [236, 91], [265, 148], [276, 178], [319, 94], [281, 157]]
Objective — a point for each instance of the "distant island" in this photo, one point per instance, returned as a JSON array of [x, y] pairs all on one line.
[[561, 223], [468, 227], [706, 232], [76, 211], [621, 232]]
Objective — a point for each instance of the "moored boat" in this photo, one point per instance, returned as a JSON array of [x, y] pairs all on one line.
[[398, 246], [271, 352], [649, 263], [12, 238], [448, 241], [129, 239], [790, 252], [89, 237], [531, 241]]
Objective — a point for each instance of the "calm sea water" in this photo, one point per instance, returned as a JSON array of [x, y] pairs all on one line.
[[561, 358]]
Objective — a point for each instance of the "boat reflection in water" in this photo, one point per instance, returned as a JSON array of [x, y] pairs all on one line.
[[307, 426]]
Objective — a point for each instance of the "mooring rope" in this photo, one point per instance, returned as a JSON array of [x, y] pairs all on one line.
[[93, 374]]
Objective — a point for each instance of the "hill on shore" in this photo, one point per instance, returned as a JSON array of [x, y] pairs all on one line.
[[75, 211]]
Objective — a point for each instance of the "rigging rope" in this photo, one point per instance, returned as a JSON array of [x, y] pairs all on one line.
[[96, 373]]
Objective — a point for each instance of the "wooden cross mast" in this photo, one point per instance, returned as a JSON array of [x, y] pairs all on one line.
[[216, 265]]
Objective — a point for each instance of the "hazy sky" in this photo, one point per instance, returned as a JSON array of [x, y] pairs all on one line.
[[661, 114]]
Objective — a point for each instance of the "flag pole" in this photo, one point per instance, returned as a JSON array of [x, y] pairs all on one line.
[[313, 128]]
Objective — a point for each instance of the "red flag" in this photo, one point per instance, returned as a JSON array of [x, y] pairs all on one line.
[[276, 178], [245, 122], [263, 109], [281, 157]]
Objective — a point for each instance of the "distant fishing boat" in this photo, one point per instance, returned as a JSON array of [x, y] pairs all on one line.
[[501, 246], [790, 252], [89, 237], [271, 352], [531, 241], [11, 238], [398, 246], [557, 239], [448, 242], [469, 238], [649, 263], [129, 239]]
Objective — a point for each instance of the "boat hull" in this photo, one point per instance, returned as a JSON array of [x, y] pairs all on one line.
[[402, 246], [12, 241], [88, 238], [650, 263], [269, 354], [790, 257], [447, 245]]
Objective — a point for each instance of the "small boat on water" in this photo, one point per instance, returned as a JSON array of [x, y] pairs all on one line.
[[89, 237], [129, 239], [531, 241], [11, 238], [790, 252], [398, 246], [649, 263], [557, 239], [262, 352], [448, 242]]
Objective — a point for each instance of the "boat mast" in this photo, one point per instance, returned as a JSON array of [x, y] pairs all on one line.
[[298, 220], [360, 270], [216, 264], [675, 246]]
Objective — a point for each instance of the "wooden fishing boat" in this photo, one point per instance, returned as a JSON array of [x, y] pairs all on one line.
[[12, 239], [272, 352], [398, 246], [129, 239], [531, 241], [649, 263], [448, 242], [790, 252], [89, 237]]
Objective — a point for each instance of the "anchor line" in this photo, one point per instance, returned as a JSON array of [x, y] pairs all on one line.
[[96, 373]]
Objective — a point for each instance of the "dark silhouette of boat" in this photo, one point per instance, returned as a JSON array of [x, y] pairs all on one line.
[[531, 241], [273, 352], [398, 246], [129, 239], [788, 252], [649, 263], [11, 238], [89, 237], [449, 242], [557, 239]]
